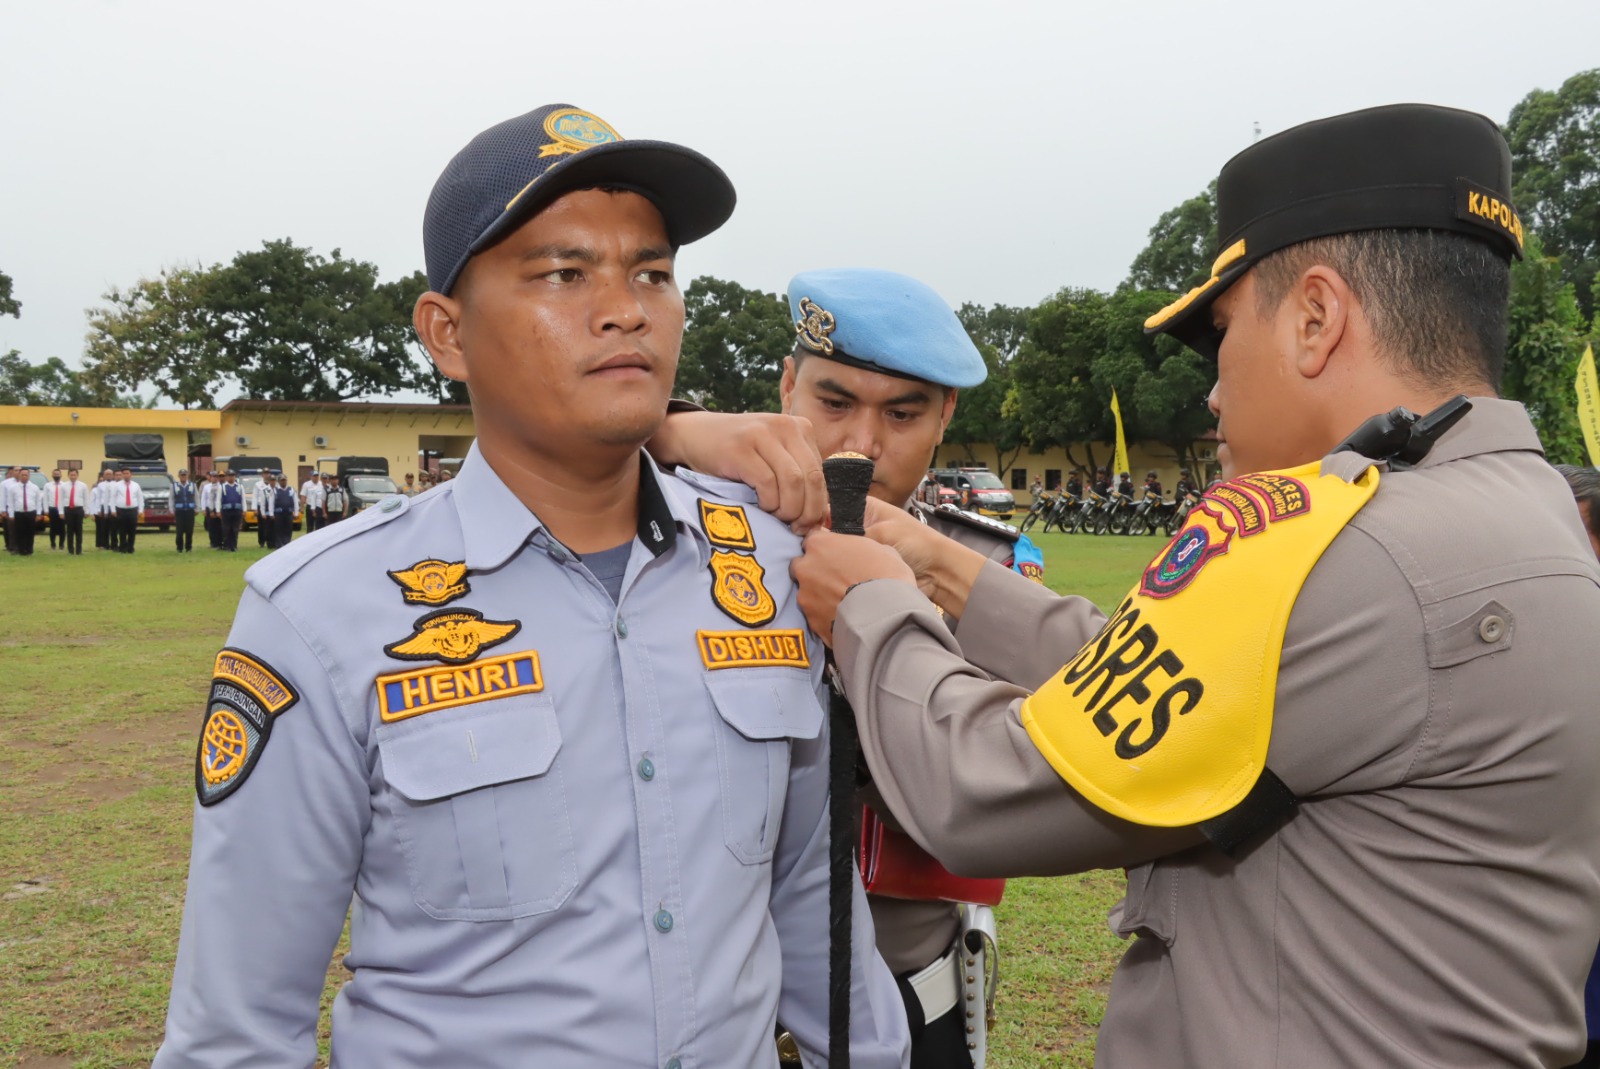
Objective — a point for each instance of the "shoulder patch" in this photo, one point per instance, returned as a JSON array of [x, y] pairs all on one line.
[[432, 582], [726, 525], [269, 573], [247, 695], [454, 636], [972, 521]]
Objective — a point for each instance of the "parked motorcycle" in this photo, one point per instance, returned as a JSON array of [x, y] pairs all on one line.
[[1042, 504], [1180, 511]]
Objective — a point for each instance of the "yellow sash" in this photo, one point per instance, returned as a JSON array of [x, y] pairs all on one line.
[[1164, 717]]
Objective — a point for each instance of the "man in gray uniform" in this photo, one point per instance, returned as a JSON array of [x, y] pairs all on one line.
[[561, 730], [1342, 733], [878, 362]]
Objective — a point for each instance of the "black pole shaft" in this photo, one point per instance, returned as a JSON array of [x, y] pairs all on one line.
[[849, 477]]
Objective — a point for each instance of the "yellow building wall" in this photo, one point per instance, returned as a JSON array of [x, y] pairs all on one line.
[[396, 435], [1142, 457], [32, 434]]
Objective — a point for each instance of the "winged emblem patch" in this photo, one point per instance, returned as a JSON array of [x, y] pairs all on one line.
[[454, 636], [432, 582]]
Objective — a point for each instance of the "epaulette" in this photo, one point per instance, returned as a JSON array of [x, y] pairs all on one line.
[[952, 514], [269, 573], [716, 487]]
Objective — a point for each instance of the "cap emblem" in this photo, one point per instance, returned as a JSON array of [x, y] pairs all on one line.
[[1230, 256], [815, 327], [573, 131]]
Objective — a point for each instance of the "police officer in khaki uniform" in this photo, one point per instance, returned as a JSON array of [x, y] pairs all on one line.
[[1342, 731]]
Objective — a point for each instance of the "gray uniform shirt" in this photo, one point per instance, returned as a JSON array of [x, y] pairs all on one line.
[[624, 866], [1436, 899]]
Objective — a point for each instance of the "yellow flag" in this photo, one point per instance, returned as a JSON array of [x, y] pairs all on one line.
[[1588, 405], [1122, 443]]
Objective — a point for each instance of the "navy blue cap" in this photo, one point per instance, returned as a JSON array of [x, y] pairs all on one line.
[[510, 171], [883, 322]]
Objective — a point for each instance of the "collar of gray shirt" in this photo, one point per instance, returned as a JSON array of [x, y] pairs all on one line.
[[495, 524]]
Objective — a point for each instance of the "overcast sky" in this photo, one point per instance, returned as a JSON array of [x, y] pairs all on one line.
[[997, 150]]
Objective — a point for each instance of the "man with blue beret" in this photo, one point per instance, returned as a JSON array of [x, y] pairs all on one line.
[[560, 733], [1341, 732], [878, 363]]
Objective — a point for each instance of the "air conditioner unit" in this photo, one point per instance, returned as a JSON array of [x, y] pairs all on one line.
[[320, 441], [241, 440]]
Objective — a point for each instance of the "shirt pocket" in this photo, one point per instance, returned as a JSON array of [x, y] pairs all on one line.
[[480, 810], [761, 711]]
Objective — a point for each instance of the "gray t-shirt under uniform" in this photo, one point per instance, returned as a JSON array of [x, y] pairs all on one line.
[[1436, 898]]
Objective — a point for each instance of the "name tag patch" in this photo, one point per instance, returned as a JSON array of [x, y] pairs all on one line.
[[247, 695], [753, 649], [402, 695]]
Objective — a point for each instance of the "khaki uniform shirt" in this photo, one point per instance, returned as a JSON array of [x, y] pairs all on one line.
[[913, 934], [1435, 901]]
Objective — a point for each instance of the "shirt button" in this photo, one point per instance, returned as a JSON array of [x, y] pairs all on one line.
[[622, 628], [647, 769], [673, 1064], [663, 920], [1491, 628]]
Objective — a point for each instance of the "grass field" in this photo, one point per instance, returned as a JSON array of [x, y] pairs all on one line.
[[106, 659]]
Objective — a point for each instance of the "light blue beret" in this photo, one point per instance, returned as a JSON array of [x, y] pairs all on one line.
[[883, 322]]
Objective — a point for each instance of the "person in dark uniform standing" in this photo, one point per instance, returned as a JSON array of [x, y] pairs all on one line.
[[284, 506], [878, 363], [230, 511], [1342, 731], [185, 501]]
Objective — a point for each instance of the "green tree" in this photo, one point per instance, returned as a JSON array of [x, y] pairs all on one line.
[[1081, 346], [734, 342], [1183, 244], [1555, 156], [1544, 343], [9, 305], [1054, 397], [297, 326], [162, 331], [279, 323], [53, 383], [981, 417]]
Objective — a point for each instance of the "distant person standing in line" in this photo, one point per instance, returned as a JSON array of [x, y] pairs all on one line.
[[410, 487], [97, 509], [285, 505], [53, 495], [208, 510], [23, 500], [73, 503], [184, 503], [314, 502], [335, 498], [266, 497], [127, 497], [230, 511]]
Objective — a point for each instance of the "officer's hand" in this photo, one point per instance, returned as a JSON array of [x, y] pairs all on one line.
[[831, 565], [944, 568], [775, 455]]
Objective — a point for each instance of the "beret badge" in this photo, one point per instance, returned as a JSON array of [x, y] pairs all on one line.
[[815, 326]]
